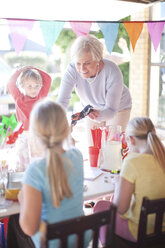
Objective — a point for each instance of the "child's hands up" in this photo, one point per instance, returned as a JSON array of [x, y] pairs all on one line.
[[25, 68]]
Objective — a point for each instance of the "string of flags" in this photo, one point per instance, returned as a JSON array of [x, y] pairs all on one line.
[[19, 31]]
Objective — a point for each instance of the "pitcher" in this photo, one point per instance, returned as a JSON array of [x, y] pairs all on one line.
[[110, 154]]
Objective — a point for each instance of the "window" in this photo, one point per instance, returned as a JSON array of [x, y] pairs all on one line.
[[157, 77]]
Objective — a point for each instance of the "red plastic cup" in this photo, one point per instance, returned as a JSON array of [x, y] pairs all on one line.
[[93, 155]]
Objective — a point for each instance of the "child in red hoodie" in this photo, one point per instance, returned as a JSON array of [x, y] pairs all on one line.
[[33, 84]]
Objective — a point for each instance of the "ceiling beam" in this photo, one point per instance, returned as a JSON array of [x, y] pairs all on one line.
[[143, 1]]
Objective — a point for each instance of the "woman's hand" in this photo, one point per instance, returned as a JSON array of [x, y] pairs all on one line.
[[93, 115]]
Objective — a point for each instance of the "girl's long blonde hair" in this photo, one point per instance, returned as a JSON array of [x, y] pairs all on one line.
[[143, 128], [49, 123]]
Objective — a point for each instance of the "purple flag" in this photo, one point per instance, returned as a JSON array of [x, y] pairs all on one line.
[[110, 31], [51, 31], [155, 30], [81, 28], [19, 31]]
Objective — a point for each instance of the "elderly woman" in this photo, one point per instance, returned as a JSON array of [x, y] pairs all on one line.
[[98, 82]]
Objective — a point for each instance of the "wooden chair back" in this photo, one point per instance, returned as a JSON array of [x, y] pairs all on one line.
[[156, 207], [78, 226], [155, 239]]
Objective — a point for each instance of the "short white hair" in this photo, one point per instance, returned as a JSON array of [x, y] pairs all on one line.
[[84, 44]]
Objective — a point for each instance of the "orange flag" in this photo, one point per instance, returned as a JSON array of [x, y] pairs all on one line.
[[134, 30]]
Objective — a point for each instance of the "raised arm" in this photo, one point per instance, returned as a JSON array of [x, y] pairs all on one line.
[[46, 82], [14, 90], [12, 86]]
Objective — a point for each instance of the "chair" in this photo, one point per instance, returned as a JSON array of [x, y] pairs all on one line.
[[2, 236], [78, 226], [157, 238]]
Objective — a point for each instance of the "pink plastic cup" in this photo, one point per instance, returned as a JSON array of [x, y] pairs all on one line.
[[93, 156]]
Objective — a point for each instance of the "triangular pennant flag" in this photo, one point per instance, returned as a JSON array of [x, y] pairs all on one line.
[[19, 31], [134, 30], [51, 31], [81, 28], [155, 30], [110, 31]]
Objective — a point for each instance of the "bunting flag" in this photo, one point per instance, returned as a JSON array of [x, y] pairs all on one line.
[[155, 30], [110, 31], [51, 31], [81, 28], [134, 30], [19, 33]]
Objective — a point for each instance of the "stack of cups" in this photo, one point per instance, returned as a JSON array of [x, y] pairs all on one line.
[[94, 150], [93, 156]]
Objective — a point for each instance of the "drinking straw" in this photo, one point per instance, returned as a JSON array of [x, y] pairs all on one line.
[[96, 136], [99, 135], [93, 136]]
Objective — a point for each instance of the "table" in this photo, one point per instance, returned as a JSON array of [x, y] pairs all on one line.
[[101, 186], [14, 208]]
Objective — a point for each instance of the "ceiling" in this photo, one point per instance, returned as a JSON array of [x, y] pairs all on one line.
[[143, 1], [75, 10]]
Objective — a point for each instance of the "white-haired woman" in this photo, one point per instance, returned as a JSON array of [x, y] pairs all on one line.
[[98, 82], [53, 186]]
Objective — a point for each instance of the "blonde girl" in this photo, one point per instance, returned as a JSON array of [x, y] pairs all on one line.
[[142, 174], [53, 185]]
